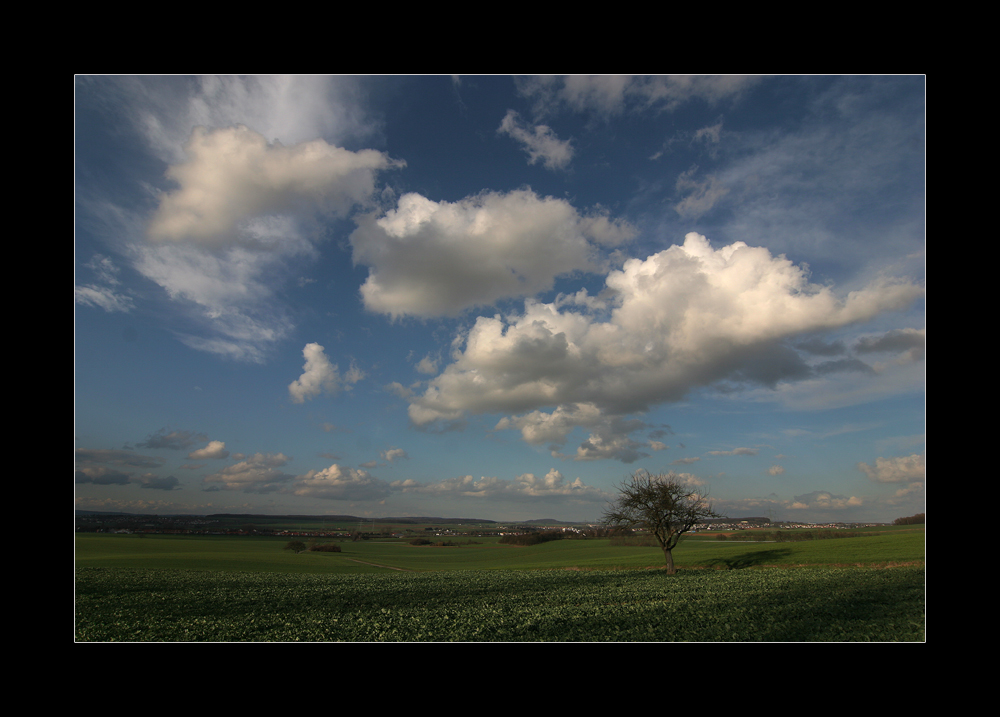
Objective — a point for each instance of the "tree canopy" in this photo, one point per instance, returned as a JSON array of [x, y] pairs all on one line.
[[664, 504]]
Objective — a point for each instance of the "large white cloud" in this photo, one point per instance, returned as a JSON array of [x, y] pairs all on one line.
[[233, 174], [685, 317], [430, 258], [250, 177], [240, 217]]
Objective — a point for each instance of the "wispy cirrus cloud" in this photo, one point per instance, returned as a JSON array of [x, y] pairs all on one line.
[[105, 292], [700, 195], [736, 452], [539, 141], [161, 110], [608, 95]]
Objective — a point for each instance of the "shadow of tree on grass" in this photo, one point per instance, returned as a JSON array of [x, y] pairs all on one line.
[[752, 559]]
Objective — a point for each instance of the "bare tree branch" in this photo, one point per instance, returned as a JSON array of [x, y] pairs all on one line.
[[663, 504]]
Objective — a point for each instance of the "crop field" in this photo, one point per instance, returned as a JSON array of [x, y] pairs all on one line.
[[156, 588], [768, 604]]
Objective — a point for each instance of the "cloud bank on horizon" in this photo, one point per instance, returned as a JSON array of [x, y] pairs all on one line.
[[541, 271]]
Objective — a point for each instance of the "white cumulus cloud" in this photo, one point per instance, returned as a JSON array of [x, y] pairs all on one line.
[[899, 469], [320, 376], [685, 317], [238, 220], [392, 454], [247, 181], [214, 449], [428, 258], [825, 500], [340, 483], [526, 486], [234, 174], [258, 473]]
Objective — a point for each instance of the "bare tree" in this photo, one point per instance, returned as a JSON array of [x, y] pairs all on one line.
[[663, 504]]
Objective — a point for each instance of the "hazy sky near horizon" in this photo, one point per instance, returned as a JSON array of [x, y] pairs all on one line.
[[496, 297]]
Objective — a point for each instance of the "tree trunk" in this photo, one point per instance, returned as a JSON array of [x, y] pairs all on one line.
[[669, 556]]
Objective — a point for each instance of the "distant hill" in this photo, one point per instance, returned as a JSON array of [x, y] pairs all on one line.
[[403, 520], [349, 518], [120, 514], [451, 521]]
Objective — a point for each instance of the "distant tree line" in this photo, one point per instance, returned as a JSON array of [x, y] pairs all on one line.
[[442, 543], [917, 519], [297, 546], [543, 536]]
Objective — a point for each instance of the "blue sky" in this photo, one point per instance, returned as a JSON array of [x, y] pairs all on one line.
[[496, 297]]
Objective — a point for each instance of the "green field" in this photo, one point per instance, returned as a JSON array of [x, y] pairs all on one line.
[[267, 554], [191, 588]]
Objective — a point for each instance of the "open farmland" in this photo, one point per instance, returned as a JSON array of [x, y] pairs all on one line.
[[267, 554], [771, 604], [179, 588]]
